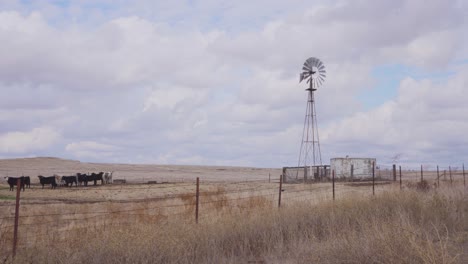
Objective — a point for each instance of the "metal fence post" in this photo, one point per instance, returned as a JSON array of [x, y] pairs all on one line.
[[352, 171], [197, 200], [333, 181], [373, 178], [438, 176], [280, 189], [15, 235], [394, 172], [400, 178]]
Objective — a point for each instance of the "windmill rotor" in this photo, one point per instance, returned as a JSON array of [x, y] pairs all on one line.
[[313, 71]]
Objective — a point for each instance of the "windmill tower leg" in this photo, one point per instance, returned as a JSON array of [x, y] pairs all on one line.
[[310, 154]]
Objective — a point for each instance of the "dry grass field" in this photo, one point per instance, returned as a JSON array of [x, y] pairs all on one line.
[[239, 219]]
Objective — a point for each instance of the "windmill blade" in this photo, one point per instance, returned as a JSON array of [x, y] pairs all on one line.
[[318, 64], [306, 68]]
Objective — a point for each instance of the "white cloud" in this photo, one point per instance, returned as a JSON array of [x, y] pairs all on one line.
[[23, 142], [91, 149], [425, 118], [210, 82]]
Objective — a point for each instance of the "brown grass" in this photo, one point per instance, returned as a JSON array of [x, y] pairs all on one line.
[[393, 227]]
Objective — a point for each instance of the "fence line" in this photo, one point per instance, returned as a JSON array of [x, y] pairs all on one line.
[[189, 197]]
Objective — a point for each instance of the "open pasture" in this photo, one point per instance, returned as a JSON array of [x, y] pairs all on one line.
[[74, 216]]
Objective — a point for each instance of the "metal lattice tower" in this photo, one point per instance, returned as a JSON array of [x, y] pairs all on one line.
[[310, 154]]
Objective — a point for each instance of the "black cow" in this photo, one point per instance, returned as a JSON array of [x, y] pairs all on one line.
[[69, 180], [27, 181], [99, 177], [95, 177], [47, 180], [81, 177], [13, 181]]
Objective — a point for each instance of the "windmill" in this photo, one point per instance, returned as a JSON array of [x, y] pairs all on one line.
[[313, 72]]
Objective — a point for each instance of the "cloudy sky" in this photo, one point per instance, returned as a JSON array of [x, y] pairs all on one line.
[[216, 82]]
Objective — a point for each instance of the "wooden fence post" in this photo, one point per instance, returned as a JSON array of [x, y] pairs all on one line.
[[422, 177], [15, 234], [450, 174], [333, 181], [438, 176], [280, 190], [352, 171], [306, 171], [373, 178], [269, 178], [464, 180], [400, 179], [394, 172], [197, 200]]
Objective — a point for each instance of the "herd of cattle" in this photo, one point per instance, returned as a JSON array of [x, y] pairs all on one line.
[[68, 181]]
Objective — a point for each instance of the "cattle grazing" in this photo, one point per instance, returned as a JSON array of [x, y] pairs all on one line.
[[13, 181], [47, 180], [108, 177], [81, 178], [69, 180], [27, 181], [94, 177]]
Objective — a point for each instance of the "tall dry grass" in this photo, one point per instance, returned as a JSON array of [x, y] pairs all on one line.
[[393, 227]]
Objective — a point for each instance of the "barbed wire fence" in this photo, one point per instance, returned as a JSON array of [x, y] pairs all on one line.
[[21, 225]]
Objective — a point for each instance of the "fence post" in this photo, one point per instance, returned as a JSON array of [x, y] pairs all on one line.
[[450, 173], [394, 172], [333, 181], [269, 178], [306, 171], [400, 178], [284, 173], [438, 181], [15, 234], [422, 177], [197, 199], [280, 189], [464, 180], [352, 171], [373, 178]]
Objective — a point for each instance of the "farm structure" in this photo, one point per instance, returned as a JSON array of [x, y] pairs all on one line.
[[306, 174], [352, 168]]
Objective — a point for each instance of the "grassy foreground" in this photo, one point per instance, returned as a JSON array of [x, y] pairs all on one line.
[[393, 227]]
